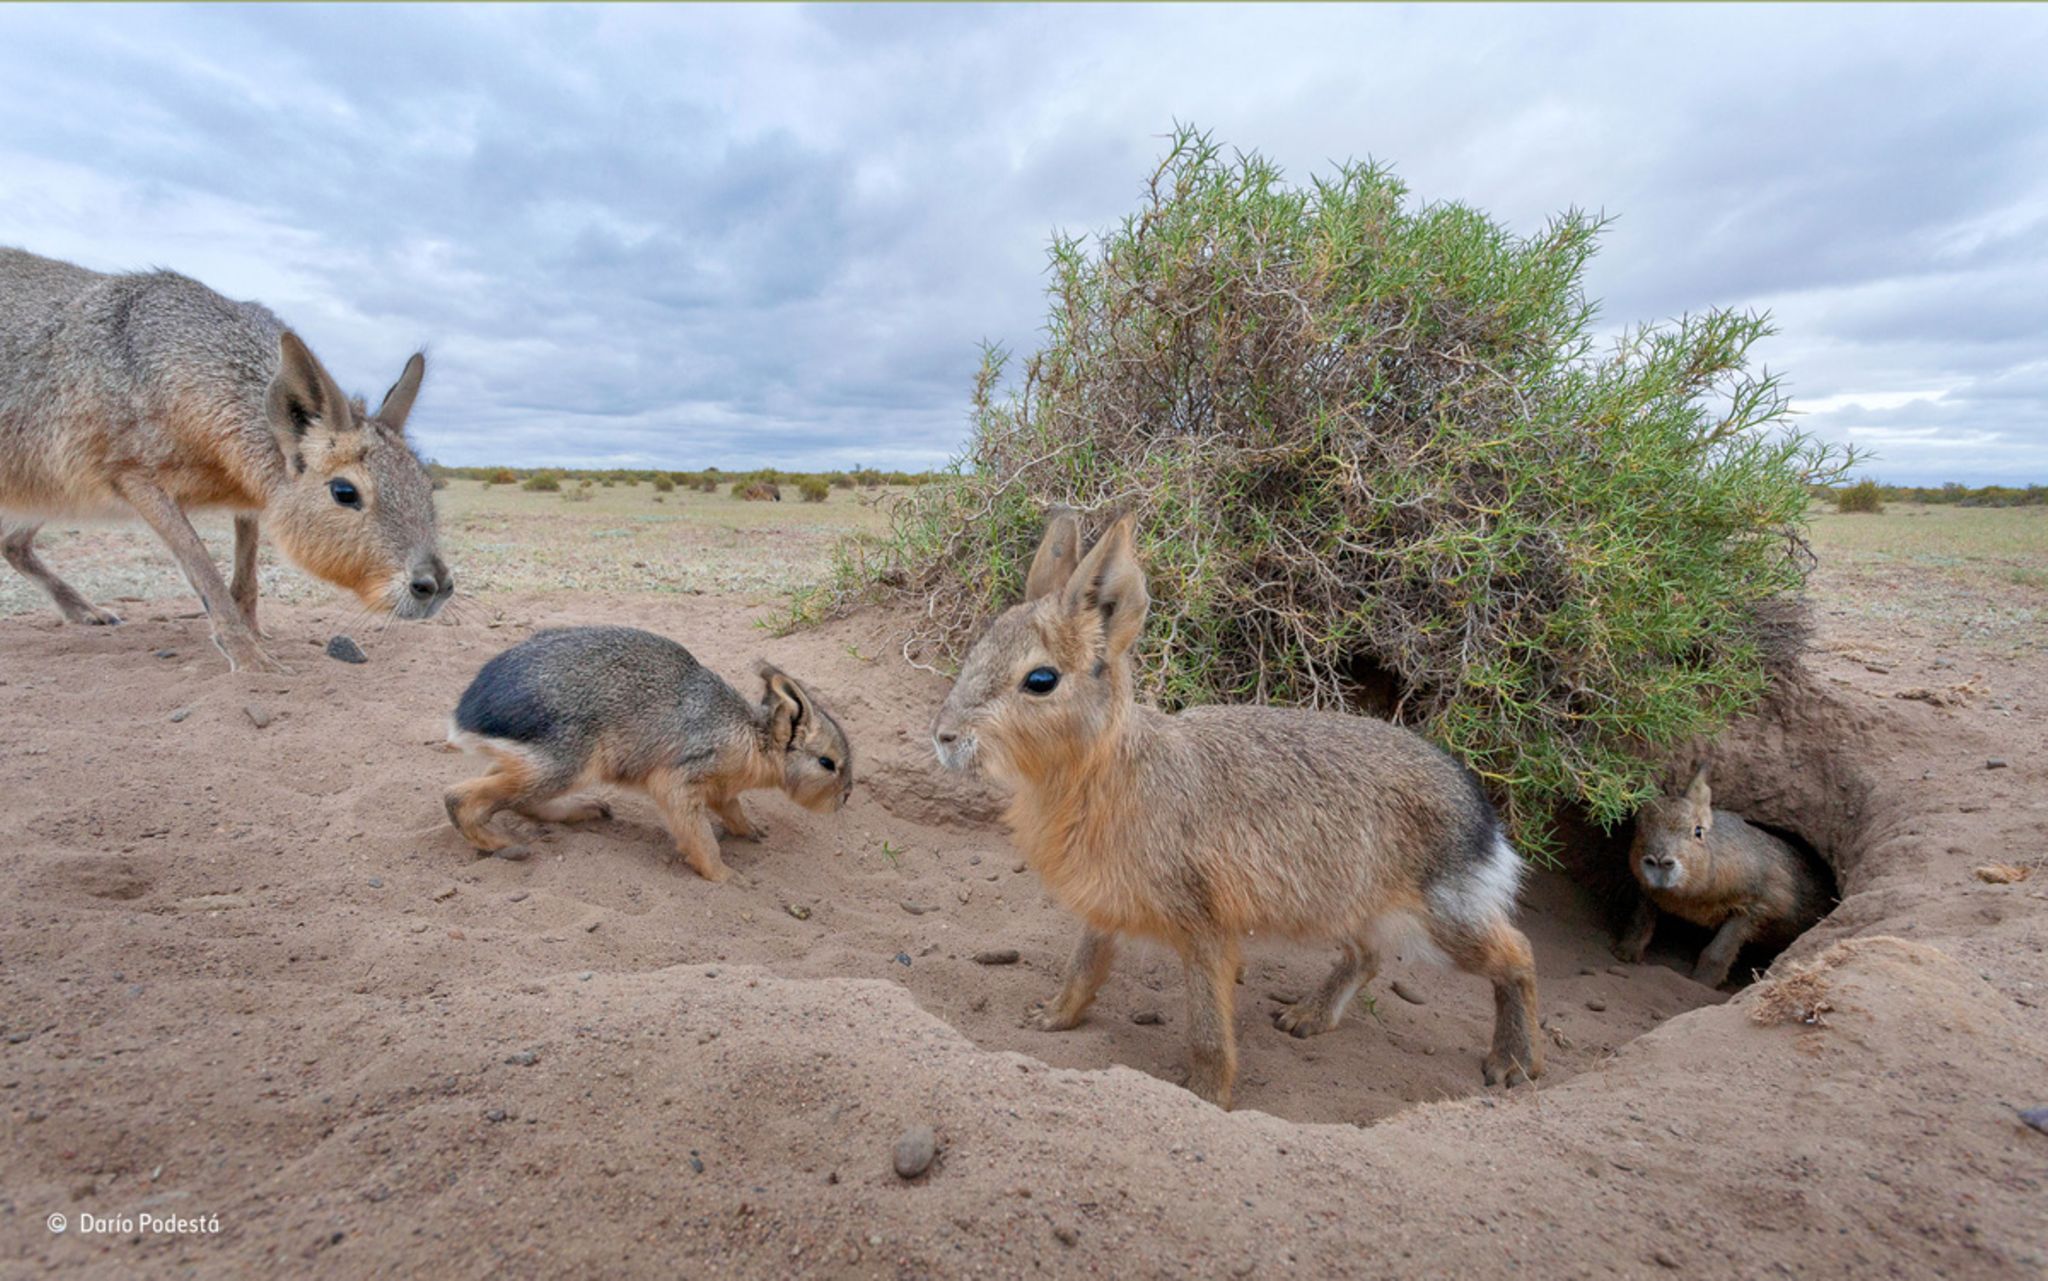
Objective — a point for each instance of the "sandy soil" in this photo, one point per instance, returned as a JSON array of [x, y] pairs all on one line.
[[251, 973]]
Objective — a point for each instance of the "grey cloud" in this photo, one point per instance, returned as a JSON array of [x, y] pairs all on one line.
[[751, 235]]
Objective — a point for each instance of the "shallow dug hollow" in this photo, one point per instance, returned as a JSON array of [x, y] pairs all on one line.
[[256, 965]]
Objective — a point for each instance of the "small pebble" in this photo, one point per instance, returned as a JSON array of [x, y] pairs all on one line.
[[1148, 1017], [1996, 762], [1596, 1005], [444, 893], [1406, 993], [585, 977], [180, 714], [516, 897], [1617, 971], [1018, 868], [2036, 1117], [495, 1115], [344, 649], [17, 1038], [523, 1058], [1065, 1234], [915, 909], [592, 927], [915, 1150], [903, 958], [1665, 1259], [696, 1162], [799, 911], [167, 653], [997, 956], [257, 715], [376, 882]]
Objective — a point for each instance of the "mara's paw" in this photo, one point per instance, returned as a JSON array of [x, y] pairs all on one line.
[[511, 853], [1304, 1019], [1211, 1085], [1507, 1070], [1047, 1016], [253, 658], [92, 616], [716, 873], [1631, 953]]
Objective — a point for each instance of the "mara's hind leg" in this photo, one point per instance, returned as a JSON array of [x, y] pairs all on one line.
[[1500, 952], [18, 543], [580, 808], [1322, 1011], [514, 781]]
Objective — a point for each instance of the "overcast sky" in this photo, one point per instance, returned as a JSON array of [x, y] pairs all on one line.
[[753, 235]]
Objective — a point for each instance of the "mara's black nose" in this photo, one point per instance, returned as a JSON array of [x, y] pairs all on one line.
[[424, 588], [947, 736]]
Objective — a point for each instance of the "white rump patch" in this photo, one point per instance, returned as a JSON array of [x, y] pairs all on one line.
[[1403, 935], [1484, 892]]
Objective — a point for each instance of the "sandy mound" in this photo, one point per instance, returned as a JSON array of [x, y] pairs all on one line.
[[250, 972]]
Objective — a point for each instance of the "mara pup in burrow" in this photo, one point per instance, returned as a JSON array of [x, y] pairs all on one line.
[[575, 707], [1709, 867], [1198, 828], [151, 395]]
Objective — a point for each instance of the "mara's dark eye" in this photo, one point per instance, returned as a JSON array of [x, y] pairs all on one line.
[[1699, 833], [1042, 680], [829, 764], [345, 494]]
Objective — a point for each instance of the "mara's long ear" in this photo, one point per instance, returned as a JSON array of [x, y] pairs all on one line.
[[1058, 552], [788, 702], [1109, 585], [398, 401], [303, 401], [1697, 791]]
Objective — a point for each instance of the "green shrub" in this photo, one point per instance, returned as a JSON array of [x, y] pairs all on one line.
[[1863, 496], [756, 491], [708, 485], [542, 482], [840, 480], [502, 476], [580, 494], [1374, 455], [663, 485], [814, 489]]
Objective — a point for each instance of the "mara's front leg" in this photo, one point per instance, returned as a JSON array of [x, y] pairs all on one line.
[[1635, 940], [1086, 970], [1719, 956], [682, 807], [230, 632], [243, 587], [1212, 1016]]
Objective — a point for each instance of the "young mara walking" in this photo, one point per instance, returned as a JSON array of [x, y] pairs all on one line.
[[577, 706], [1197, 828], [152, 395]]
